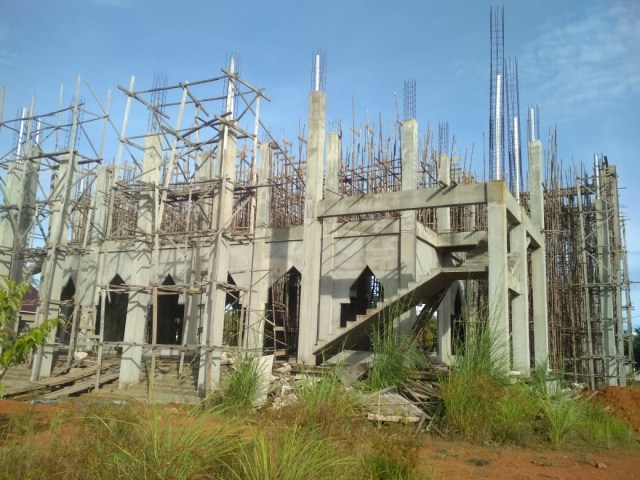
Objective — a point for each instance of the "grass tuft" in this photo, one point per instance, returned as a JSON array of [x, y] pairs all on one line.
[[291, 454], [396, 359]]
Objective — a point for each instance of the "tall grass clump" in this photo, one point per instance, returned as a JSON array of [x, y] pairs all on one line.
[[323, 401], [178, 447], [289, 454], [396, 359], [476, 383], [240, 391]]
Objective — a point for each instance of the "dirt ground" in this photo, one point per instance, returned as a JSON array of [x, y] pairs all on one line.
[[451, 460], [462, 460], [625, 401]]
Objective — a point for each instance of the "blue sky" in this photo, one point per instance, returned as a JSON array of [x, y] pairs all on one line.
[[579, 61]]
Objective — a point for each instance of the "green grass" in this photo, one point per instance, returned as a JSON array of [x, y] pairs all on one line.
[[481, 404], [239, 392], [473, 391], [323, 402], [289, 454], [395, 359], [191, 446]]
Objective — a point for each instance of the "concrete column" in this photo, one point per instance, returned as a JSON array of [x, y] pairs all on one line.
[[310, 288], [260, 262], [139, 300], [498, 268], [334, 154], [88, 276], [408, 238], [10, 216], [538, 261], [51, 286], [443, 215], [209, 372], [17, 219], [520, 303], [445, 312], [203, 171], [605, 294]]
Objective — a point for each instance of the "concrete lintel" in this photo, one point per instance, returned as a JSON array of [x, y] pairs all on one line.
[[433, 197]]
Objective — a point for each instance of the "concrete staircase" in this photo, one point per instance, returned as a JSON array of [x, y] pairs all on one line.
[[168, 385], [425, 289]]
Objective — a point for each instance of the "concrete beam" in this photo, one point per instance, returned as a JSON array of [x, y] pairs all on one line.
[[433, 197]]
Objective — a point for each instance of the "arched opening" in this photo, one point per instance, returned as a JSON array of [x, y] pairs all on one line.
[[115, 311], [63, 333], [365, 293], [170, 316], [283, 314], [233, 315]]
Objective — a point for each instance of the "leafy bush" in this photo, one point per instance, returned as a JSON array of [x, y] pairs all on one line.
[[15, 348]]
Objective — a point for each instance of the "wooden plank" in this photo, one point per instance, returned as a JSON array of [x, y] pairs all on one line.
[[73, 376]]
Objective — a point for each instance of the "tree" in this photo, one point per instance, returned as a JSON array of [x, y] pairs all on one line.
[[15, 348]]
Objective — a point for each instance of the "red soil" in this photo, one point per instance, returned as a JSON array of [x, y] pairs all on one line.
[[625, 401]]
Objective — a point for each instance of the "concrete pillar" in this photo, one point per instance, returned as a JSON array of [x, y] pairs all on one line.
[[443, 215], [606, 294], [259, 284], [328, 324], [520, 303], [213, 327], [445, 312], [88, 275], [538, 261], [10, 216], [407, 259], [139, 300], [51, 282], [17, 219], [205, 161], [498, 268], [310, 288]]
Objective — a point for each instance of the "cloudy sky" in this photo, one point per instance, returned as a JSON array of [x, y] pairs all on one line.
[[579, 61]]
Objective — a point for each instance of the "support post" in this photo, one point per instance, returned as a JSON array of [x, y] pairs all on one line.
[[538, 262], [498, 268], [520, 303], [310, 289]]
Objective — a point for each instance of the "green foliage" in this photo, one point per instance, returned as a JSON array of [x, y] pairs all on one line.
[[16, 348], [238, 393], [290, 454], [323, 401], [476, 383], [396, 359], [150, 447]]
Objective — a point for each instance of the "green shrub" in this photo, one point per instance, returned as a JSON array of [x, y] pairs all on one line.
[[323, 402], [476, 385], [396, 358], [239, 392], [289, 454], [154, 447]]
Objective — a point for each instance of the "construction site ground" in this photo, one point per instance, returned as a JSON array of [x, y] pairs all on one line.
[[435, 456]]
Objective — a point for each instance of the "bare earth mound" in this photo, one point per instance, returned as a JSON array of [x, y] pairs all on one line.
[[625, 401]]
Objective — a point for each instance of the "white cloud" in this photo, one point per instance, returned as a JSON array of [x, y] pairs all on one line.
[[585, 61]]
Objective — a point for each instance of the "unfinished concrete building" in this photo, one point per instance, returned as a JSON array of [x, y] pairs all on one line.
[[207, 234]]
